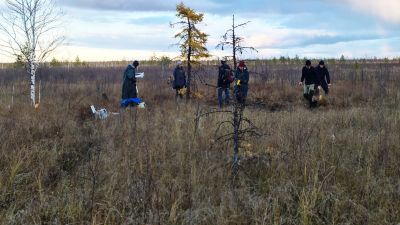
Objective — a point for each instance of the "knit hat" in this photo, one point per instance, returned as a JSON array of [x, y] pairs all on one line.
[[242, 64], [321, 62], [308, 63]]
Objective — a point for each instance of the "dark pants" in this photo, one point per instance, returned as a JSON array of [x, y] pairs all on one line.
[[309, 91], [325, 87], [221, 99], [241, 93]]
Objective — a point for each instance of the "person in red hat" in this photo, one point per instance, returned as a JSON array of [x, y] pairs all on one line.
[[241, 82]]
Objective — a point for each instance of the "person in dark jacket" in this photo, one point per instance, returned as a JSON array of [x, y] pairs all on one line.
[[179, 79], [241, 82], [310, 80], [224, 82], [324, 79], [129, 89]]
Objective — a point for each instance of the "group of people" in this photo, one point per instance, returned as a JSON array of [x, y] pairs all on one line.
[[226, 76], [313, 79]]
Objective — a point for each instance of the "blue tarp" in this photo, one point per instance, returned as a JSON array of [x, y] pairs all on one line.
[[131, 101]]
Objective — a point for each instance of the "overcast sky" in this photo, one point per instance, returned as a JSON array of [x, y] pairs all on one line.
[[137, 29]]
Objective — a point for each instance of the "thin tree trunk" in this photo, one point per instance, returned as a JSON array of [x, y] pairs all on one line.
[[189, 65], [32, 73], [234, 44], [12, 96], [40, 89], [237, 119]]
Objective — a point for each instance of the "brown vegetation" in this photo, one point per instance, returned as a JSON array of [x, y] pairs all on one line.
[[338, 164]]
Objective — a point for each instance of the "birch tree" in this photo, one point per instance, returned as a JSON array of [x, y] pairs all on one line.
[[192, 42], [31, 31]]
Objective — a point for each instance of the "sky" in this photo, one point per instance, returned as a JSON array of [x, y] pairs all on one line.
[[103, 30]]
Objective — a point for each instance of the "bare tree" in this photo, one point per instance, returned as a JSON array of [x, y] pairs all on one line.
[[235, 42], [232, 40], [31, 31]]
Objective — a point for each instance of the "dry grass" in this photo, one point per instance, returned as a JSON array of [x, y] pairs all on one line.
[[338, 164]]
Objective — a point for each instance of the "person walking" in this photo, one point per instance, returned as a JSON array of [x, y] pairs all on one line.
[[309, 80], [179, 80], [323, 76], [225, 78], [241, 82]]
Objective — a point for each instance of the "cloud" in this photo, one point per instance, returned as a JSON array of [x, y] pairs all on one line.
[[386, 10], [139, 5]]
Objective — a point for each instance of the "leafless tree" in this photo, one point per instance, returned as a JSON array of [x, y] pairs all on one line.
[[232, 40], [30, 31]]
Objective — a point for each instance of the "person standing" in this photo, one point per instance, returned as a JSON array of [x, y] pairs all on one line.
[[324, 79], [225, 78], [129, 89], [179, 79], [241, 82], [309, 80]]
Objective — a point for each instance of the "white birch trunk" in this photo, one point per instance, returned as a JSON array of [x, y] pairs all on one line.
[[33, 78]]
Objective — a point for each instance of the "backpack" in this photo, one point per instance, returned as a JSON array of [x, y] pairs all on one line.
[[228, 77]]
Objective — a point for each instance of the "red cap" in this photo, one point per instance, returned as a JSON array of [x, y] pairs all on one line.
[[241, 64]]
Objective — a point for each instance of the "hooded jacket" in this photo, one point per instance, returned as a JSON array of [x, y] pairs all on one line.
[[129, 84], [179, 78]]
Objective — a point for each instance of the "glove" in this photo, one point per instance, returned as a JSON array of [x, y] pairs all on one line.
[[238, 82]]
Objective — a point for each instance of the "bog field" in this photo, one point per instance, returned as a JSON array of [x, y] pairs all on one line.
[[170, 163]]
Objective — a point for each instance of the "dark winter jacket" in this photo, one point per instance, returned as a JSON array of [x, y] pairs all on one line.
[[323, 76], [129, 86], [309, 75], [241, 89], [179, 78], [243, 76], [223, 73]]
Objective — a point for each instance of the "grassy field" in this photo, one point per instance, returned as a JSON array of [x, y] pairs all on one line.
[[338, 164]]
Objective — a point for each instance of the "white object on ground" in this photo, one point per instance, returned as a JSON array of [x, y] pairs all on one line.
[[102, 113], [142, 105]]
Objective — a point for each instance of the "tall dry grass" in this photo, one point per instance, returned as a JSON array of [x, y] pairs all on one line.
[[334, 165]]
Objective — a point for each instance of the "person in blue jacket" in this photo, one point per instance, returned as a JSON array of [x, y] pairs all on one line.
[[241, 82]]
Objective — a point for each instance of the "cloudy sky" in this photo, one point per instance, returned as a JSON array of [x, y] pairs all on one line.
[[127, 29]]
